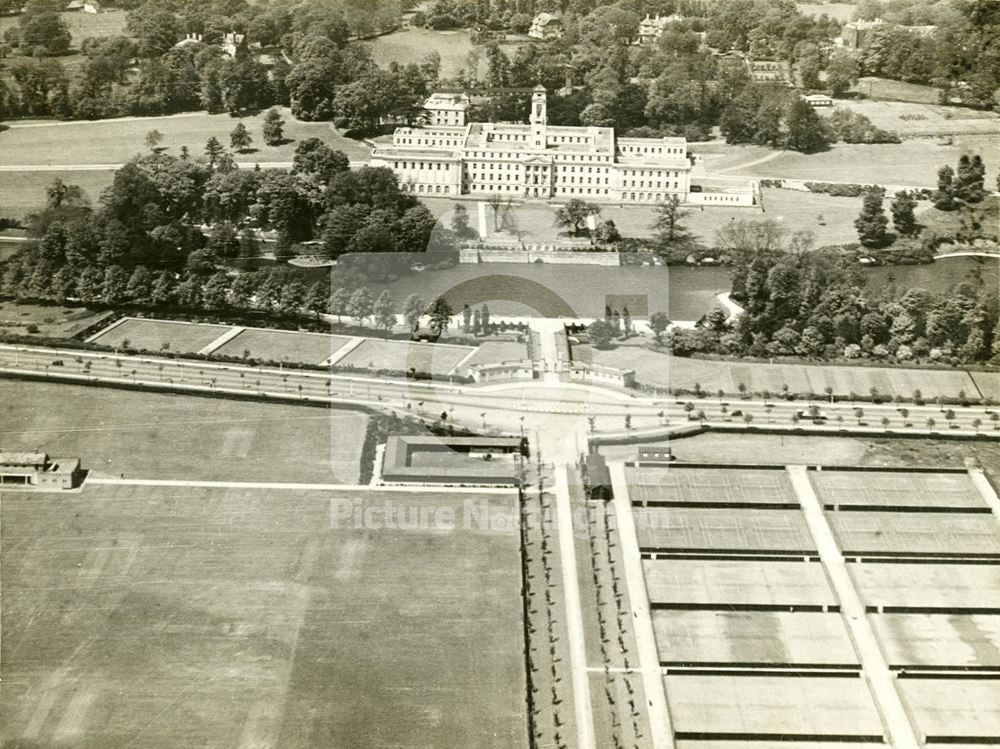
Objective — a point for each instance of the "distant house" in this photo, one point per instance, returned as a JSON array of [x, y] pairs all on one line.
[[652, 28], [546, 26], [856, 33], [189, 39], [818, 100], [232, 42]]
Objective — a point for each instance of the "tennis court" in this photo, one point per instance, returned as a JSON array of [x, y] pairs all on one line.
[[161, 335], [404, 356], [722, 530], [724, 583], [888, 489], [757, 637], [282, 345], [729, 487]]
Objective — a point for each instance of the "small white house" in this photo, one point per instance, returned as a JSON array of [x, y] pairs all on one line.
[[546, 26], [818, 100]]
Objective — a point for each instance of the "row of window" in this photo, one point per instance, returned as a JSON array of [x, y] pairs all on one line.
[[427, 189]]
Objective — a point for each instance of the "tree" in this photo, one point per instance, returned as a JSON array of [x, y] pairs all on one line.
[[969, 179], [601, 333], [440, 315], [574, 215], [902, 208], [340, 302], [841, 72], [316, 299], [486, 319], [153, 140], [669, 232], [239, 138], [466, 318], [384, 313], [274, 127], [806, 131], [316, 159], [944, 196], [413, 310], [361, 305], [44, 31], [460, 222], [658, 323], [872, 222], [213, 150]]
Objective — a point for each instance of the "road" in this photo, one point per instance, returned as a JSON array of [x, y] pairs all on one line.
[[558, 408]]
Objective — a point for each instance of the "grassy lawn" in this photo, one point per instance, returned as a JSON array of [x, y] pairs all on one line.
[[82, 25], [491, 352], [165, 617], [150, 435], [886, 88], [404, 356], [22, 193], [567, 291], [412, 45], [921, 119], [117, 141], [275, 345], [912, 162], [151, 335], [659, 369], [51, 321]]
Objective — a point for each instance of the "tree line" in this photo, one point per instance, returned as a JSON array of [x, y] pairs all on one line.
[[297, 55], [815, 304]]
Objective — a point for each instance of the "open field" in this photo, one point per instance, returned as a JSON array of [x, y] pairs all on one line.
[[732, 487], [22, 193], [160, 335], [412, 45], [55, 321], [663, 370], [922, 119], [405, 356], [165, 617], [118, 140], [283, 345], [893, 90], [82, 25], [911, 163], [151, 435]]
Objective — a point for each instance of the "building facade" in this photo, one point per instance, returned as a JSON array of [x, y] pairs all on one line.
[[546, 26], [38, 470], [536, 160]]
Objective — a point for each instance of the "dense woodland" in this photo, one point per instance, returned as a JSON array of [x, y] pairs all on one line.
[[170, 231], [675, 85]]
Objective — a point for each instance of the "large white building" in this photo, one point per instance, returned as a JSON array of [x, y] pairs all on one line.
[[450, 156]]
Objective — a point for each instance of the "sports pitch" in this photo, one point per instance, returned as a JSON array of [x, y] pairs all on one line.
[[170, 617], [160, 436]]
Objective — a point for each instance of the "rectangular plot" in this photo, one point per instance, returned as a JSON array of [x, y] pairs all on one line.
[[283, 345], [939, 639], [914, 532], [403, 356], [710, 485], [722, 582], [888, 489], [761, 637], [988, 384], [151, 335], [185, 634], [933, 586], [787, 707], [954, 707], [700, 528]]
